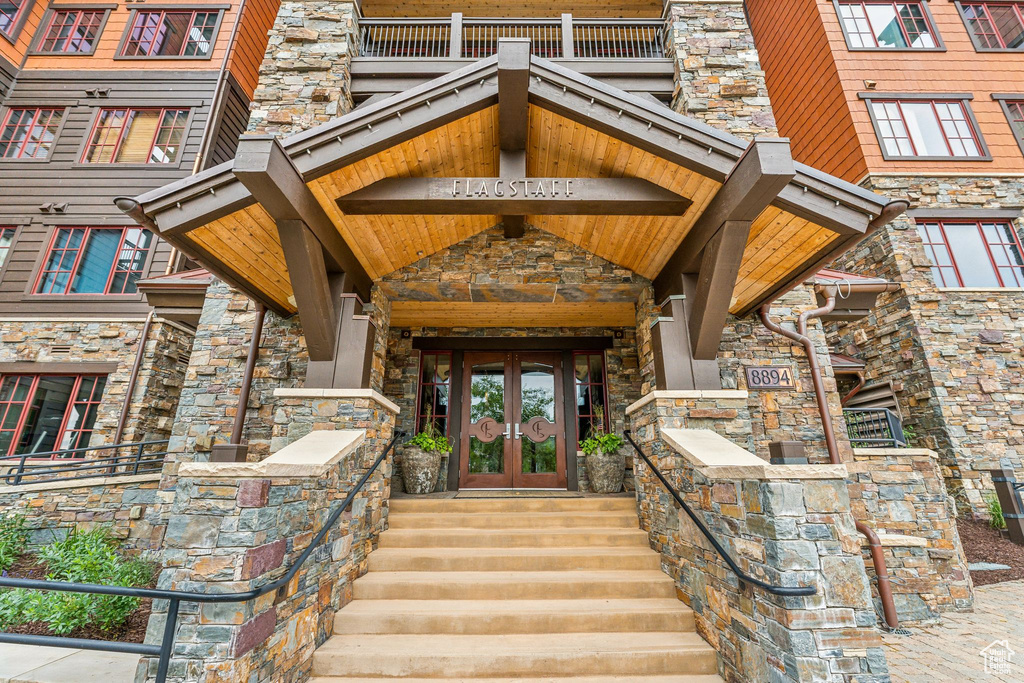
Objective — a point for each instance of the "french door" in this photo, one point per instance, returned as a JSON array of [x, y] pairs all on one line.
[[513, 421]]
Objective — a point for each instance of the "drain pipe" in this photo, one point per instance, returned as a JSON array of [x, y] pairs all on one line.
[[122, 421], [861, 381], [250, 368]]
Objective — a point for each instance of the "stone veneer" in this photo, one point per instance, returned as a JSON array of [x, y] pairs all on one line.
[[901, 491], [955, 357]]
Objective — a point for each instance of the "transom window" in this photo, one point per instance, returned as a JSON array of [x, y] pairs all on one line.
[[40, 413], [925, 128], [10, 11], [591, 394], [72, 31], [171, 34], [973, 253], [95, 261], [995, 25], [29, 133], [6, 241], [137, 136], [435, 383], [893, 25]]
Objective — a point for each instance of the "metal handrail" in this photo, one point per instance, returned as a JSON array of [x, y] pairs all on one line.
[[74, 460], [174, 598], [743, 576], [874, 426]]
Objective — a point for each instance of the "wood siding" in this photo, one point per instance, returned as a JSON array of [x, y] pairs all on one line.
[[814, 80], [233, 117], [7, 74], [250, 44], [89, 189]]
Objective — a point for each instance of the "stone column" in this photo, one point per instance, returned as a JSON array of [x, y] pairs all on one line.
[[720, 77]]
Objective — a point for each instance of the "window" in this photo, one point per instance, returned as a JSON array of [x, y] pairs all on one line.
[[995, 25], [171, 34], [1015, 114], [137, 136], [72, 31], [95, 261], [435, 381], [29, 133], [10, 12], [890, 25], [40, 413], [591, 403], [6, 240], [925, 128], [973, 253]]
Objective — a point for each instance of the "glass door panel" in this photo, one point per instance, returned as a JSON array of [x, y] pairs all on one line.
[[539, 446], [486, 444]]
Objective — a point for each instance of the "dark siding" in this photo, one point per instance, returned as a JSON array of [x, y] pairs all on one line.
[[89, 189], [7, 72], [234, 118]]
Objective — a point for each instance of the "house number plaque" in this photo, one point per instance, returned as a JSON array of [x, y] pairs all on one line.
[[770, 377]]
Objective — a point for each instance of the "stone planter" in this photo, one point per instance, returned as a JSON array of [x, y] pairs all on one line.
[[606, 471], [420, 469]]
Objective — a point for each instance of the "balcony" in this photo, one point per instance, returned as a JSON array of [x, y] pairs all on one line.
[[874, 428], [396, 54]]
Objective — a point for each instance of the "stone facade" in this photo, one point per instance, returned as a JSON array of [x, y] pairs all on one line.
[[955, 356], [902, 492]]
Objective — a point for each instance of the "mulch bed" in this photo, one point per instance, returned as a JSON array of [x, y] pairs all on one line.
[[132, 631], [984, 544]]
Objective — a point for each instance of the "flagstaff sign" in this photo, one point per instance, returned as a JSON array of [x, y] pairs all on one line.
[[513, 187]]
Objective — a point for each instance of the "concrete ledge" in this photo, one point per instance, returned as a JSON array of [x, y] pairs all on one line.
[[898, 541], [339, 393], [716, 457], [693, 394], [81, 483], [311, 456], [889, 452]]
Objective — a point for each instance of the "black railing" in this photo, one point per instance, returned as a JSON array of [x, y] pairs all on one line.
[[164, 649], [874, 428], [743, 576], [141, 457]]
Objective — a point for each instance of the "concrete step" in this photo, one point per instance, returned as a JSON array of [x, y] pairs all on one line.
[[511, 559], [683, 678], [469, 505], [568, 654], [556, 585], [491, 617], [625, 519], [513, 538]]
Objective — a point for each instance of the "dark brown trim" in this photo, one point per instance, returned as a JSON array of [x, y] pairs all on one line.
[[965, 213], [1004, 104], [44, 25], [100, 105], [572, 474], [59, 367], [65, 108], [940, 45], [23, 14], [882, 95], [675, 368], [716, 281], [963, 98], [512, 343], [513, 120], [220, 9], [307, 270], [454, 416], [978, 47]]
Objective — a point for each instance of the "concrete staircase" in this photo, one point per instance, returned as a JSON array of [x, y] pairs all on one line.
[[515, 589]]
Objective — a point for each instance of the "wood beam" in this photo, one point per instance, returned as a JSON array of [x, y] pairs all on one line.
[[263, 166], [513, 119], [514, 196], [755, 181], [311, 288], [715, 282]]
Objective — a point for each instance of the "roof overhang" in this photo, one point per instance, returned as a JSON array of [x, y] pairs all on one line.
[[746, 212], [177, 297], [855, 294]]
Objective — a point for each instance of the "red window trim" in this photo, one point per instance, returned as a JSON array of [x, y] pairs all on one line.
[[984, 240], [988, 17], [130, 112], [1015, 115], [903, 29], [604, 390], [163, 14], [945, 137], [37, 112], [78, 259], [420, 384], [12, 27], [79, 13], [19, 429]]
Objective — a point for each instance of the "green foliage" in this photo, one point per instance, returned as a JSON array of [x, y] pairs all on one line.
[[81, 557], [598, 439], [995, 512], [909, 435], [431, 439], [13, 539]]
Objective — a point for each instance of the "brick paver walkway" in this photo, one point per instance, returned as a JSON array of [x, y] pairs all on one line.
[[951, 651]]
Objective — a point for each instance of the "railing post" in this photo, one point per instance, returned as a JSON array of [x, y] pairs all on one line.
[[138, 458], [21, 470], [456, 36], [568, 46], [1009, 500], [167, 643]]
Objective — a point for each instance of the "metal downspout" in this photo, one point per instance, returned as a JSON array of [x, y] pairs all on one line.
[[130, 391], [250, 368]]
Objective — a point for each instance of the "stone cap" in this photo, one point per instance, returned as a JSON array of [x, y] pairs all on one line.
[[99, 480], [674, 394], [716, 457], [889, 452], [311, 456], [339, 393], [898, 541]]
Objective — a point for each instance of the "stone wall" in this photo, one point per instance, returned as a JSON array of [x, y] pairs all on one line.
[[900, 493], [955, 357], [129, 507], [786, 529], [720, 80]]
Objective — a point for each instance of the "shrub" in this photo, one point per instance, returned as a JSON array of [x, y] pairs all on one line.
[[13, 539], [995, 512], [81, 557]]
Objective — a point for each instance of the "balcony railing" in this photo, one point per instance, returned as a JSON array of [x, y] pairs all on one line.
[[561, 38], [874, 428], [111, 460]]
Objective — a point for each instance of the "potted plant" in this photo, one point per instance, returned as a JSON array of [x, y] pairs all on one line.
[[606, 465], [421, 458]]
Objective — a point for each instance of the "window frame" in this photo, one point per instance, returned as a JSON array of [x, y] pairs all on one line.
[[967, 218], [963, 99], [133, 16], [940, 46], [47, 22], [36, 377], [82, 162], [420, 384], [15, 232], [20, 18], [5, 115], [978, 47], [1006, 101], [33, 290], [604, 390]]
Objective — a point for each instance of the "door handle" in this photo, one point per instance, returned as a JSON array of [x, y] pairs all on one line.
[[519, 434], [508, 430]]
